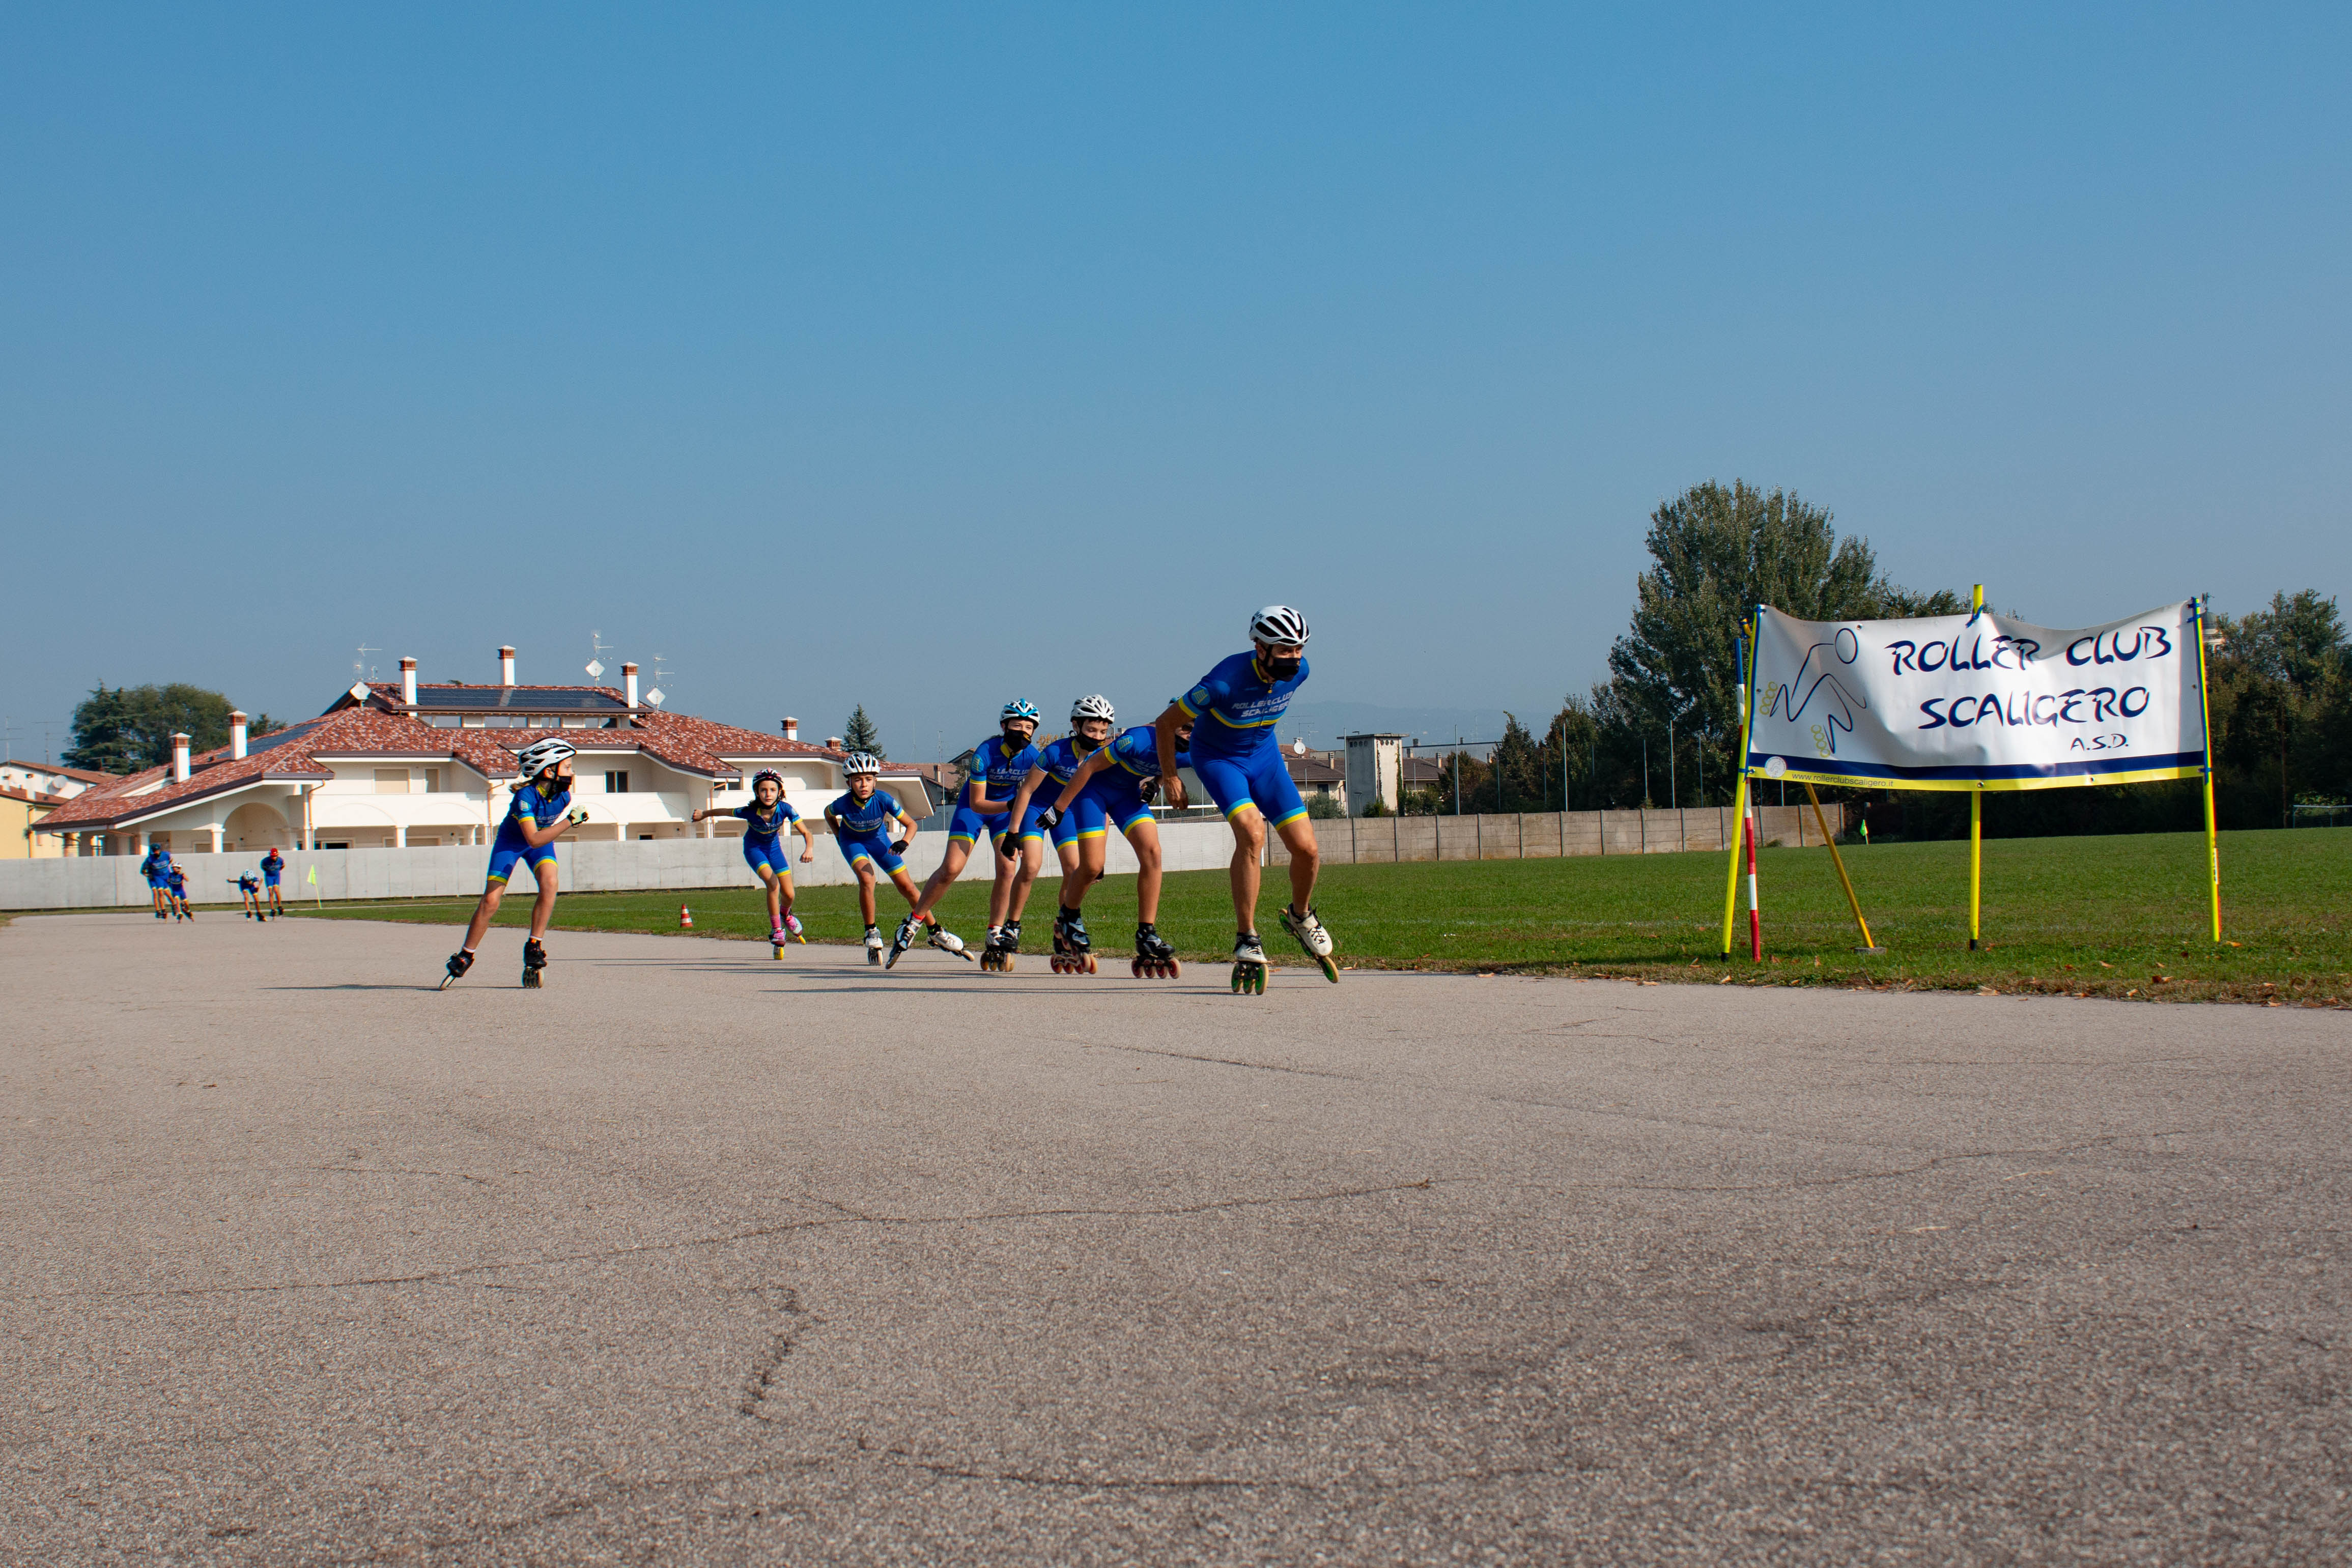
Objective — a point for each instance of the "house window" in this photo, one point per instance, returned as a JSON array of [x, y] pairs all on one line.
[[616, 783], [392, 780]]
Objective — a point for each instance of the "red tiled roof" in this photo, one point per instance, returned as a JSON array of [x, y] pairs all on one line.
[[692, 745], [34, 797]]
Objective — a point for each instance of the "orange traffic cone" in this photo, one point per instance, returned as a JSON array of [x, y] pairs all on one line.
[[685, 918]]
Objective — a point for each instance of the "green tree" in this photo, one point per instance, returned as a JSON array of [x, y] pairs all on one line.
[[1716, 553], [2289, 665], [131, 727], [860, 734]]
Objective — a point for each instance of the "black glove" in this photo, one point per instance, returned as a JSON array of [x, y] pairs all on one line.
[[1050, 818], [899, 848]]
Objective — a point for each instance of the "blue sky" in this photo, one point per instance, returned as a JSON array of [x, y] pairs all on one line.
[[924, 357]]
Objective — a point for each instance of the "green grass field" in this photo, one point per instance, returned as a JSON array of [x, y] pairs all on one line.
[[2094, 916]]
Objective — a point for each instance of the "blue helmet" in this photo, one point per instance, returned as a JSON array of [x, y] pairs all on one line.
[[1019, 707]]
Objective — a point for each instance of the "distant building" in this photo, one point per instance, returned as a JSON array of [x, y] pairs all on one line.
[[50, 778], [397, 765]]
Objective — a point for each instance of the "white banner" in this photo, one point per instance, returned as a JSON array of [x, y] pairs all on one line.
[[1981, 701]]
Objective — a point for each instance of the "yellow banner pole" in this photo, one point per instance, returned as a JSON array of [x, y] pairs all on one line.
[[1976, 820], [1739, 798], [1838, 860], [2205, 718], [1976, 864]]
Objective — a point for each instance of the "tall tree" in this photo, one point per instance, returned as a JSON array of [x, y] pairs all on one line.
[[860, 734], [1715, 552], [2291, 657], [131, 727]]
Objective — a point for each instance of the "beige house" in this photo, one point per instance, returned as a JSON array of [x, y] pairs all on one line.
[[394, 766]]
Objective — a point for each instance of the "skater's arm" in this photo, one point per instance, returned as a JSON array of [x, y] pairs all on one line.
[[1096, 762], [1020, 805], [538, 837], [1164, 731], [802, 827]]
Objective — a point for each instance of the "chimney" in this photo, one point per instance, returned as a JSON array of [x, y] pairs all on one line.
[[506, 666], [235, 734], [833, 743], [792, 729], [179, 757], [408, 682], [629, 680]]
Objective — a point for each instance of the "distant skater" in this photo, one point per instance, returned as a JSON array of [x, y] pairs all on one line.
[[157, 869], [273, 866], [767, 822], [1233, 709], [537, 817]]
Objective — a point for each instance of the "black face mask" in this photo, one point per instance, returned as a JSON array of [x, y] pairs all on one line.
[[1284, 669]]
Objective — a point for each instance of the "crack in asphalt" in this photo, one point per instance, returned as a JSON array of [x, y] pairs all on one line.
[[758, 1231], [763, 1375], [1202, 1483], [1220, 1061], [579, 1504], [2105, 1142]]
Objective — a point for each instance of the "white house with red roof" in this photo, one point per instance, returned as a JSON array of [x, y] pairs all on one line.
[[404, 764]]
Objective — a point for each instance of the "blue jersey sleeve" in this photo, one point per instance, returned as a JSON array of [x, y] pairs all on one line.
[[1206, 694]]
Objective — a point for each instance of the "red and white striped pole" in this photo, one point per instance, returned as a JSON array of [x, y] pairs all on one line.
[[1755, 917]]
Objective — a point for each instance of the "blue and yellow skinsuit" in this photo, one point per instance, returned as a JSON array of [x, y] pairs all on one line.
[[767, 836], [1117, 795], [996, 772], [1235, 708], [156, 868], [1060, 763], [271, 866], [864, 830], [533, 804]]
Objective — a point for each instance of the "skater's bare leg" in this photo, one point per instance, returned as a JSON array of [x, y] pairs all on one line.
[[1306, 860], [476, 928], [1032, 861], [1093, 855], [1145, 837], [910, 892], [780, 900], [951, 866], [542, 908], [1249, 842], [775, 886], [865, 890]]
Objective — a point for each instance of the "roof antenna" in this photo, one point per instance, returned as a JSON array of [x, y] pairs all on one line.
[[361, 667], [654, 696], [597, 649]]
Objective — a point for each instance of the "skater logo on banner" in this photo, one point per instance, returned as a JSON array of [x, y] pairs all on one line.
[[1976, 702]]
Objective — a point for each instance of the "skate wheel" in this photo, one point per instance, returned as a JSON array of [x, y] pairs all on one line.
[[531, 980], [874, 954], [1137, 968], [1331, 969], [1090, 963], [447, 981], [780, 951], [1175, 969]]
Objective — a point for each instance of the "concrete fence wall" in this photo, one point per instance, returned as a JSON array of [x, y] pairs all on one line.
[[101, 881], [1544, 835]]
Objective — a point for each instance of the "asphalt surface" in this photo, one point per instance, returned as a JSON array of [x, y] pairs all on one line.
[[694, 1257]]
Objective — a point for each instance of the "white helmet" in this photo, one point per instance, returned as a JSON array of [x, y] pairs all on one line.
[[1280, 625], [861, 762], [540, 755], [1092, 707]]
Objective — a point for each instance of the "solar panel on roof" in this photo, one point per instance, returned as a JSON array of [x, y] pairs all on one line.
[[278, 737], [479, 699]]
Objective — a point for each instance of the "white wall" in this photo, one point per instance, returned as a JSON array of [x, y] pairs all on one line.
[[100, 881]]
